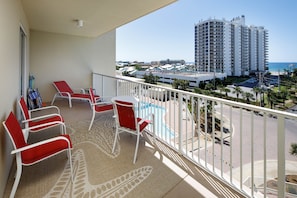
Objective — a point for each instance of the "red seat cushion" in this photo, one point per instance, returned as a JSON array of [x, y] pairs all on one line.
[[79, 95], [45, 150], [44, 121], [101, 108]]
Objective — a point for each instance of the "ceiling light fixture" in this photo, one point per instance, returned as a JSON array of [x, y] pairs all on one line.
[[79, 23]]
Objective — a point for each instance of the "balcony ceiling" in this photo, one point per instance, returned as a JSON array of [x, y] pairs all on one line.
[[99, 16]]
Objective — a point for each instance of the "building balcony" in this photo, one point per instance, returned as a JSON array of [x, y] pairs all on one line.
[[205, 147], [245, 146]]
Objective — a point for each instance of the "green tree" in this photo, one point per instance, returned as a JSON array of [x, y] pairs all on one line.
[[237, 90], [180, 84], [151, 78], [271, 98], [209, 86], [256, 90], [248, 96], [293, 150], [221, 88], [227, 90]]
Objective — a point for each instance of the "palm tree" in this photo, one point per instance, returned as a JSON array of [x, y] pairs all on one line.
[[271, 97], [221, 88], [293, 150], [237, 90], [227, 90], [248, 96], [256, 90]]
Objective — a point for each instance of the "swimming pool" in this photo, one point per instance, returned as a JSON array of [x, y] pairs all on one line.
[[162, 130]]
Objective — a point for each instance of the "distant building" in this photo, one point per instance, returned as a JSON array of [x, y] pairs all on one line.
[[168, 61], [230, 47], [194, 78]]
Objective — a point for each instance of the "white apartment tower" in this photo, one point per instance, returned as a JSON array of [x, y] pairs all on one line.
[[230, 47]]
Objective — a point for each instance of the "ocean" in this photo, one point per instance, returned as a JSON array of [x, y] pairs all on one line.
[[279, 67]]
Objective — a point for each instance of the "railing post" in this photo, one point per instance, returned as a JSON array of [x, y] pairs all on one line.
[[180, 114], [281, 165]]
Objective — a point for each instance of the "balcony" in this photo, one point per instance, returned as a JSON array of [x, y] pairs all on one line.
[[245, 146], [206, 147]]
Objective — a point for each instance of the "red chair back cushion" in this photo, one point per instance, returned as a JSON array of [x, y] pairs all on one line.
[[126, 114], [15, 131], [62, 86], [24, 108]]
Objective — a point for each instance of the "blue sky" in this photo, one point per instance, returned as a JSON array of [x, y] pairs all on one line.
[[169, 32]]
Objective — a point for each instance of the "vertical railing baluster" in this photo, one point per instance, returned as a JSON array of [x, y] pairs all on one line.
[[222, 143], [180, 110], [174, 118], [213, 134], [252, 155], [199, 127], [231, 144], [265, 154], [240, 149], [281, 156], [186, 127], [205, 131], [193, 125]]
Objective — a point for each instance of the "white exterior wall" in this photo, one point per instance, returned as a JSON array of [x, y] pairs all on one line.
[[71, 58], [245, 50], [237, 49], [253, 48], [227, 49], [261, 47], [12, 18]]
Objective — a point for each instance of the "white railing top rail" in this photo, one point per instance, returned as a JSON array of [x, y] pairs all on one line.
[[224, 101]]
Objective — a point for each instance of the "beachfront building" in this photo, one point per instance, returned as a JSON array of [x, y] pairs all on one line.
[[230, 47]]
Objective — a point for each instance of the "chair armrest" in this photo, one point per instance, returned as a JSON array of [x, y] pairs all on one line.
[[101, 103], [42, 117], [40, 143], [61, 93], [104, 99], [45, 108], [43, 125], [79, 90], [146, 118]]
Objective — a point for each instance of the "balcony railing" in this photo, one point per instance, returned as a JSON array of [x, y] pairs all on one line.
[[245, 146]]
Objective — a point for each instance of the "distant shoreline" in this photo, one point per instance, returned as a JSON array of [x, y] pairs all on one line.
[[274, 73]]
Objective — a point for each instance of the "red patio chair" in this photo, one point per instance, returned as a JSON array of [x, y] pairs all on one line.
[[29, 154], [64, 91], [42, 122], [127, 121], [98, 107]]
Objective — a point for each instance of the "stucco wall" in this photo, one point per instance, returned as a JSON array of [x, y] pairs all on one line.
[[48, 57], [12, 18], [71, 58]]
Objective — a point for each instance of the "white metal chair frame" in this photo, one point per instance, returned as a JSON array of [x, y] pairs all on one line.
[[138, 122], [37, 118], [18, 155], [102, 101]]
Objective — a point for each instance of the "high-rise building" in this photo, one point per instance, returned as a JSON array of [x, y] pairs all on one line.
[[230, 47]]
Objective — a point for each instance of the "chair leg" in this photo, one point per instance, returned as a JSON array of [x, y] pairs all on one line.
[[18, 175], [115, 139], [136, 149], [93, 117], [54, 98], [62, 129], [70, 102]]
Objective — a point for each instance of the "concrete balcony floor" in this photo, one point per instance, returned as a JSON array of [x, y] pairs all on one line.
[[158, 171]]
